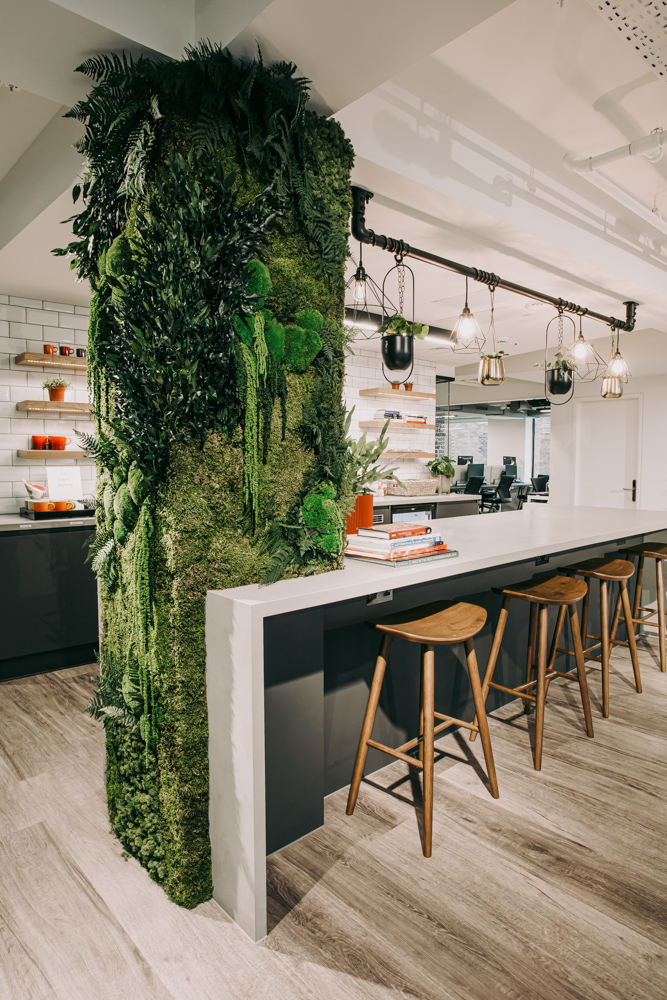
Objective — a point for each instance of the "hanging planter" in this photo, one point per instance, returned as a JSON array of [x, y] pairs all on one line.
[[398, 352], [559, 381], [491, 369]]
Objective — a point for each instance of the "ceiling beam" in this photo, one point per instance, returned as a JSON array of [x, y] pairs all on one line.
[[47, 168]]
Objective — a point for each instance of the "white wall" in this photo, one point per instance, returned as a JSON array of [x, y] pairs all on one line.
[[652, 466], [506, 436], [26, 325], [363, 370]]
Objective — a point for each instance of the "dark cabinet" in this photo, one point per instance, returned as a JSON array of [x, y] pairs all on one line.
[[48, 601]]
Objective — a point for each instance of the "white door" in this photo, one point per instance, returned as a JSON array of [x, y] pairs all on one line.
[[606, 452]]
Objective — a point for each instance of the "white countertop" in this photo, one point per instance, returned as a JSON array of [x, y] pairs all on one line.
[[389, 501], [483, 541]]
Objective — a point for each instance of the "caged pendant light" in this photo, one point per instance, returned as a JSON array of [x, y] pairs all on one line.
[[586, 360], [468, 337], [617, 373]]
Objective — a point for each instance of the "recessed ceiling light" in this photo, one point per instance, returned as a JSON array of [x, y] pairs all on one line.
[[534, 304]]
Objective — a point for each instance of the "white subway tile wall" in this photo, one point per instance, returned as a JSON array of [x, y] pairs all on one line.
[[363, 370], [26, 325]]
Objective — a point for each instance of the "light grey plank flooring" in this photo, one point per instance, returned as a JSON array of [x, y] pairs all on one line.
[[557, 891]]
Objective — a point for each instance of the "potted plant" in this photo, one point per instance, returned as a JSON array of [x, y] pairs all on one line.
[[396, 385], [363, 469], [491, 368], [408, 386], [559, 374], [443, 469], [398, 342], [56, 387]]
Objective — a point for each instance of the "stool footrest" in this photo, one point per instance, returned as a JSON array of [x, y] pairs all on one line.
[[518, 690], [449, 720], [412, 761]]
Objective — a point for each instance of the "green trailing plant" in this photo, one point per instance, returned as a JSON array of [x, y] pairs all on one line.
[[559, 363], [442, 466], [213, 231], [494, 354], [398, 325]]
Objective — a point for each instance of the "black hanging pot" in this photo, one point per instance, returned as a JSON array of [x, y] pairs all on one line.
[[397, 352], [559, 381]]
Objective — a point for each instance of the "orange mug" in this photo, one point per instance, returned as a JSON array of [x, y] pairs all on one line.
[[59, 443], [50, 349], [39, 442], [64, 504], [42, 505], [66, 350]]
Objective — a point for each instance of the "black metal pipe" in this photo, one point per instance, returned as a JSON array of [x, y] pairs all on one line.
[[360, 199]]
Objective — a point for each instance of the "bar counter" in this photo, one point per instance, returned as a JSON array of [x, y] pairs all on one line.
[[289, 667]]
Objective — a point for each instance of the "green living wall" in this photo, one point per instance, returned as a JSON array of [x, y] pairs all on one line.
[[214, 235]]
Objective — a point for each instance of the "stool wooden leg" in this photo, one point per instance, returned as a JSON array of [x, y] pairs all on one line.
[[493, 656], [420, 748], [558, 631], [369, 719], [584, 615], [638, 595], [623, 596], [541, 683], [581, 668], [617, 616], [530, 660], [661, 612], [604, 637], [478, 698], [428, 674]]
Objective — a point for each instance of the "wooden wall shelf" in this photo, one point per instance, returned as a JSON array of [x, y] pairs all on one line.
[[46, 406], [397, 394], [54, 361], [56, 454], [407, 454], [399, 425]]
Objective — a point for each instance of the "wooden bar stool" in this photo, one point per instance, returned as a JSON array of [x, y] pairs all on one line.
[[440, 624], [645, 550], [606, 571], [564, 592]]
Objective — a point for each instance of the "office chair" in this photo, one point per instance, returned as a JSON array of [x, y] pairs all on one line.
[[522, 496], [474, 484], [540, 483], [495, 497]]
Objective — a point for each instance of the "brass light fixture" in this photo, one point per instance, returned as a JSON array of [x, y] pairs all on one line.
[[617, 373], [491, 365]]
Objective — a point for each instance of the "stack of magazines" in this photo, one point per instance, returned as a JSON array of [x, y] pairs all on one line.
[[397, 544]]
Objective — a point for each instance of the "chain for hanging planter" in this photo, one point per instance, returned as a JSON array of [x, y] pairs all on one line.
[[559, 373], [398, 333], [491, 365]]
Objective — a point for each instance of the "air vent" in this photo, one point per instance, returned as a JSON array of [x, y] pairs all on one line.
[[643, 24]]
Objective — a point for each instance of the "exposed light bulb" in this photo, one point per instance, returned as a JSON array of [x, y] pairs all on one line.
[[467, 328], [359, 293], [617, 365], [580, 349]]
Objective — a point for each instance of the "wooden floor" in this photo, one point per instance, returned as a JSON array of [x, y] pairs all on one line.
[[556, 891]]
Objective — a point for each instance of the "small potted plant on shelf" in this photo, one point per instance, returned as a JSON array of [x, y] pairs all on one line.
[[559, 374], [56, 387], [491, 368], [444, 470], [396, 385], [364, 469], [398, 342], [408, 386]]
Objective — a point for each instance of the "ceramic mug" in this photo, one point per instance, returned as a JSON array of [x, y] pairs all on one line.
[[66, 350], [64, 504], [42, 505], [50, 349], [81, 352], [59, 443], [39, 442]]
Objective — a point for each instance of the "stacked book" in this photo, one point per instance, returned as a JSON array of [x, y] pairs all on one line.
[[387, 415], [397, 544], [414, 418]]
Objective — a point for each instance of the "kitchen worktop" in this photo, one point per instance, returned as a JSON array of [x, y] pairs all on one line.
[[15, 522]]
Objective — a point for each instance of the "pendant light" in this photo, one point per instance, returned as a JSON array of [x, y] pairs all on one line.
[[617, 373], [359, 293], [468, 337], [589, 365]]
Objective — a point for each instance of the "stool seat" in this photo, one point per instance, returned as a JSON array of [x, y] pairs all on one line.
[[604, 569], [648, 549], [438, 623], [547, 590]]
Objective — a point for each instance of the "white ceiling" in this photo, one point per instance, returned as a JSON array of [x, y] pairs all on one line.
[[460, 116]]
